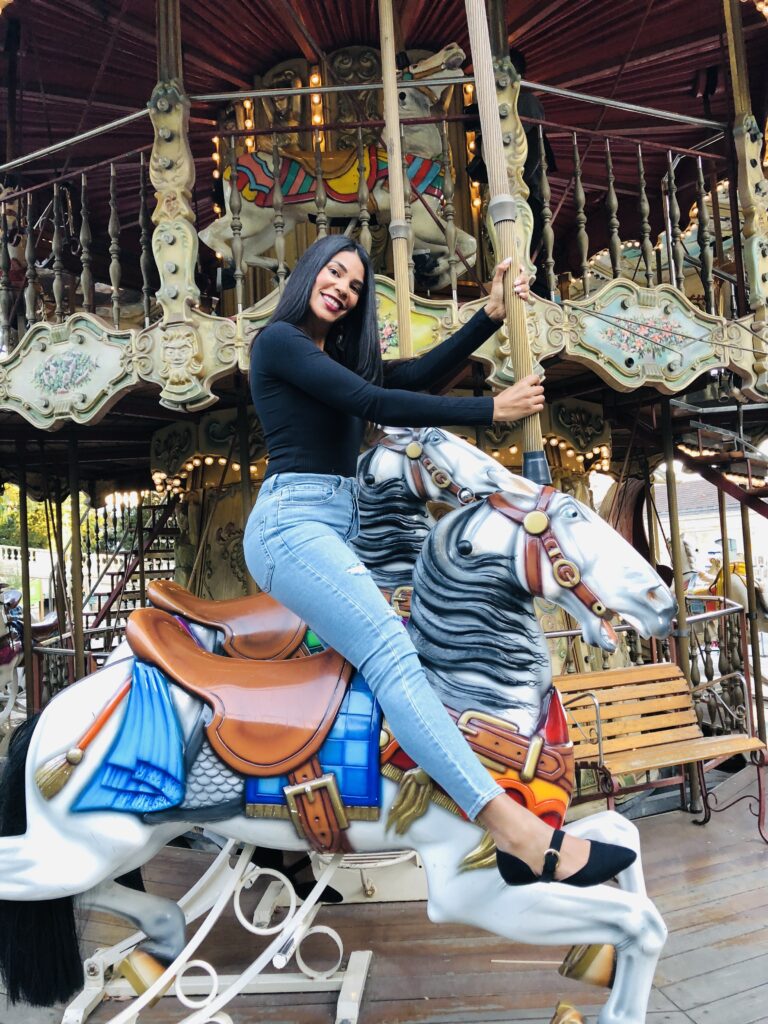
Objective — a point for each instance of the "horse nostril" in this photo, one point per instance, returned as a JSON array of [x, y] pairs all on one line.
[[401, 97]]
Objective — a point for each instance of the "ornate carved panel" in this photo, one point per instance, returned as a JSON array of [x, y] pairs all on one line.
[[67, 372]]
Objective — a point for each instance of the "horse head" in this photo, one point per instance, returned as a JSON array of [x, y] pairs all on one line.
[[423, 100], [561, 550]]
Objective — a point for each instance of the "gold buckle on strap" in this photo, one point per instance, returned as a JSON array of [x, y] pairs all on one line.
[[308, 790], [403, 594]]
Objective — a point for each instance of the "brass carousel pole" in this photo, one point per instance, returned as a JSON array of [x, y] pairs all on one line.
[[398, 226], [682, 632], [754, 632], [245, 472], [33, 694], [502, 208], [76, 571]]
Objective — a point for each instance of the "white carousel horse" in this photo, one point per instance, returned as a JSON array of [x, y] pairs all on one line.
[[422, 153], [476, 558]]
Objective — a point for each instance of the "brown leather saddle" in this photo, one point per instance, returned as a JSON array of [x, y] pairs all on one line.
[[256, 627], [269, 717]]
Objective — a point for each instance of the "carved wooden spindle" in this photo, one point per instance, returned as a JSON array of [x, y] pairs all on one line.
[[278, 218], [235, 209], [408, 216], [644, 208], [88, 552], [676, 271], [30, 290], [6, 295], [612, 209], [735, 652], [321, 197], [709, 664], [449, 191], [694, 656], [704, 239], [364, 215], [547, 233], [145, 240], [114, 246], [722, 654], [638, 645], [579, 200], [86, 275], [58, 258]]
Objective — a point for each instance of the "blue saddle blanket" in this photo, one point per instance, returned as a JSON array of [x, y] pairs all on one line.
[[350, 751]]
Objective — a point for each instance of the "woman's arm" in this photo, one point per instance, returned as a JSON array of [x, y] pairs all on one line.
[[426, 370]]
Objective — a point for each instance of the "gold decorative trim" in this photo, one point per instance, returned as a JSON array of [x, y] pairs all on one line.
[[280, 812]]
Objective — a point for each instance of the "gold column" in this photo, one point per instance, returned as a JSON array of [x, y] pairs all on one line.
[[398, 227]]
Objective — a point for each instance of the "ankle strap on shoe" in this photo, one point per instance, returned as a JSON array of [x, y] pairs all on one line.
[[552, 856]]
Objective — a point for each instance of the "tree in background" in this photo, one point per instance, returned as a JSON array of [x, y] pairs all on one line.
[[10, 532]]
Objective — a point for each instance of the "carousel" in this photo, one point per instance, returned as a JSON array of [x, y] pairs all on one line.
[[203, 815]]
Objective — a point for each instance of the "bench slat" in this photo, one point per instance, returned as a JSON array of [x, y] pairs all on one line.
[[631, 730], [620, 693], [621, 745], [655, 672], [635, 709], [668, 755]]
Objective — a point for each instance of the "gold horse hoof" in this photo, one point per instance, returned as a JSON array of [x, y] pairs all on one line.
[[594, 965], [566, 1014], [141, 970]]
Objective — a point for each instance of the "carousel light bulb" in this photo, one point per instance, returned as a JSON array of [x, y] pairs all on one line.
[[317, 99], [315, 80], [248, 124], [253, 469], [604, 449], [472, 146], [188, 465], [250, 144], [513, 449], [208, 460], [184, 475], [247, 104], [317, 119], [216, 172], [553, 442], [196, 461], [561, 445], [222, 460], [218, 255], [215, 157], [569, 452], [477, 202], [495, 453], [579, 458], [236, 467], [215, 140]]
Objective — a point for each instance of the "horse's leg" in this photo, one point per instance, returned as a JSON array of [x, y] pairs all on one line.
[[553, 915], [161, 919], [430, 233]]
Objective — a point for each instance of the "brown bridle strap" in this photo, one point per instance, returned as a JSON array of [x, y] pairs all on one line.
[[540, 539], [419, 464]]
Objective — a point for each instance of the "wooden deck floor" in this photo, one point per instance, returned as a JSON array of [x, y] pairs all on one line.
[[711, 886]]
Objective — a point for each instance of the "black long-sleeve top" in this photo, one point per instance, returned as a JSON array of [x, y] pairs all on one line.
[[313, 410]]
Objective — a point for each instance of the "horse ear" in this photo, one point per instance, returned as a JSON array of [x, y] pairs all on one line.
[[438, 509], [398, 431]]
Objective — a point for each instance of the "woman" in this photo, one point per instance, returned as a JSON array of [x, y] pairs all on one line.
[[316, 377]]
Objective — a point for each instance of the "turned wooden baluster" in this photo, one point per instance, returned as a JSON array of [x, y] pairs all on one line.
[[612, 208], [114, 246], [547, 233], [676, 271], [321, 196], [278, 218], [694, 657], [58, 260], [579, 201], [6, 295], [145, 237], [235, 209], [709, 668], [30, 290], [364, 216], [408, 215], [449, 192], [703, 237], [644, 209], [88, 568], [86, 275]]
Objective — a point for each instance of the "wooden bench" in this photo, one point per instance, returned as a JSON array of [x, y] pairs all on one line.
[[637, 720]]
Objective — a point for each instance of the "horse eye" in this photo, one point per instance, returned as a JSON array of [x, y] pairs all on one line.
[[369, 479], [464, 547]]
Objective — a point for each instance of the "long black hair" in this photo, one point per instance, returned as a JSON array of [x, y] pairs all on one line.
[[354, 341]]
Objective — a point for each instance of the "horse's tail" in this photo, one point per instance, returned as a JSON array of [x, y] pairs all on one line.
[[40, 959]]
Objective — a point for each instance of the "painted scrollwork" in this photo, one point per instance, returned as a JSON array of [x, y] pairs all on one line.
[[753, 198], [582, 424], [181, 364]]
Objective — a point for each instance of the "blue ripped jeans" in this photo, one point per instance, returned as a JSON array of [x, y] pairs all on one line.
[[295, 549]]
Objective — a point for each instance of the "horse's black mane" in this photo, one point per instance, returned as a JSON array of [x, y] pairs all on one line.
[[468, 611], [393, 527]]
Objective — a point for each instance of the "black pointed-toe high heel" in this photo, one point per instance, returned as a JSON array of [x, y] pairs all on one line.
[[605, 862]]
